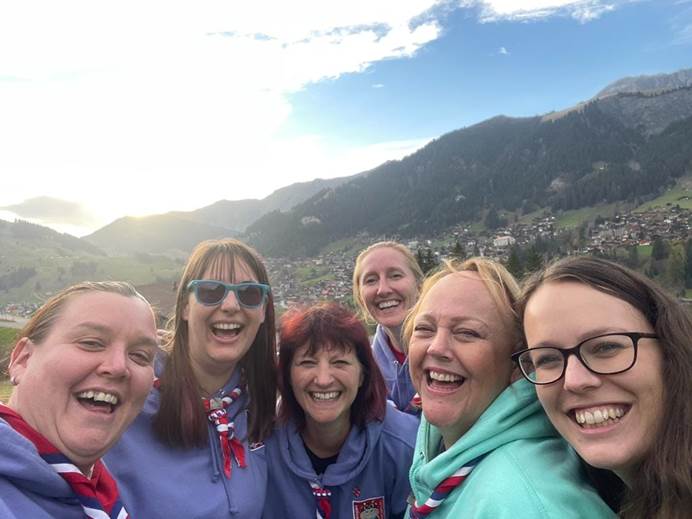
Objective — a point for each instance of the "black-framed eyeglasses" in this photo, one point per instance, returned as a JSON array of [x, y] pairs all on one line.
[[605, 354], [210, 292]]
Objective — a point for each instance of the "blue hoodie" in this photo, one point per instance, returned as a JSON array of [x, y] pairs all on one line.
[[400, 389], [160, 481], [29, 487], [527, 470], [370, 473]]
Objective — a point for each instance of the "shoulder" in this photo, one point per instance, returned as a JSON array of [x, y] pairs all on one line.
[[400, 427], [541, 477]]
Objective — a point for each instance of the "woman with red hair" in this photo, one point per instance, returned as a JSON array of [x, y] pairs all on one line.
[[339, 450]]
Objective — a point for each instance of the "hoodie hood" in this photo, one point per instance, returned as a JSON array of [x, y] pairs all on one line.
[[514, 415], [21, 465], [353, 456]]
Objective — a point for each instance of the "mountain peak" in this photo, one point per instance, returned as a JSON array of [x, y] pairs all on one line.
[[649, 84]]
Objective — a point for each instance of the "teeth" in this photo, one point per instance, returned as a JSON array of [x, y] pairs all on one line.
[[226, 326], [325, 395], [99, 396], [444, 377], [387, 304], [598, 416]]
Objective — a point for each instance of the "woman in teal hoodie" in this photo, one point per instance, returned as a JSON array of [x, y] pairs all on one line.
[[485, 449]]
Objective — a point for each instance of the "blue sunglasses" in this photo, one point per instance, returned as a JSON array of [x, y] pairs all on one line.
[[210, 292]]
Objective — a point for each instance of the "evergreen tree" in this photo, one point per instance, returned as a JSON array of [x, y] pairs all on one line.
[[458, 251], [688, 263], [533, 261], [632, 257], [659, 251], [514, 264]]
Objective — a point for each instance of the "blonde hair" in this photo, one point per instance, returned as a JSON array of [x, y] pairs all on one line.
[[503, 289], [411, 262]]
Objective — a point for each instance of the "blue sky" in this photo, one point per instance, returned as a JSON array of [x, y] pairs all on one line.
[[463, 77], [135, 108]]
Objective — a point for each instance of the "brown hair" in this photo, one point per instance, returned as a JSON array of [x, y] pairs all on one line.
[[329, 325], [411, 262], [503, 289], [181, 421], [663, 484]]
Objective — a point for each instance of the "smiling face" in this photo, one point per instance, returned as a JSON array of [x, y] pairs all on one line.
[[219, 336], [459, 353], [88, 379], [626, 408], [325, 384], [388, 287]]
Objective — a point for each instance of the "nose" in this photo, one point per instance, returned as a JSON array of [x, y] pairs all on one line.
[[578, 378], [230, 303], [383, 286], [114, 362], [439, 345], [323, 375]]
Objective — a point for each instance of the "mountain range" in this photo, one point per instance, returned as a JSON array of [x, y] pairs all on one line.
[[628, 142]]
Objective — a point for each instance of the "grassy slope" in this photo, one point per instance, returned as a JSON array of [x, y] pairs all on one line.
[[7, 336]]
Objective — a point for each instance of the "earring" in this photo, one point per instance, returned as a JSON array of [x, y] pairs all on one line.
[[13, 380]]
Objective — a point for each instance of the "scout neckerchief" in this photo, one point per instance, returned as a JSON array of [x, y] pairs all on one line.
[[442, 491], [98, 495], [322, 495], [217, 413]]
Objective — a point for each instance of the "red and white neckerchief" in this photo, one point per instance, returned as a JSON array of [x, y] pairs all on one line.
[[322, 495], [442, 491], [217, 413], [98, 495]]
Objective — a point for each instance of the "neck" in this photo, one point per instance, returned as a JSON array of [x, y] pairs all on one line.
[[394, 335], [325, 440], [211, 378]]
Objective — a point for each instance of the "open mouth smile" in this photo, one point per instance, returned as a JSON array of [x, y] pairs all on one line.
[[442, 381], [224, 330], [390, 303], [98, 401], [324, 396], [599, 416]]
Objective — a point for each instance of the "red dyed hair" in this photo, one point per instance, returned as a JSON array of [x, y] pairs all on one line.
[[329, 325]]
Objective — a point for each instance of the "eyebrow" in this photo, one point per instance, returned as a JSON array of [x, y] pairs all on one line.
[[100, 328], [454, 320], [580, 338]]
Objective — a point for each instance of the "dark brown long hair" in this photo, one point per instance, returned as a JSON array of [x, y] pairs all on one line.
[[181, 421], [329, 325], [663, 484]]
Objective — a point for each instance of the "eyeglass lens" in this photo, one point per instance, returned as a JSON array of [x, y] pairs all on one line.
[[214, 292], [603, 355]]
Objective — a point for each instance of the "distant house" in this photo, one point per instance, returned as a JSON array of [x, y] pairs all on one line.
[[503, 241]]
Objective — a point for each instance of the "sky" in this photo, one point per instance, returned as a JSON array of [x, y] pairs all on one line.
[[140, 107]]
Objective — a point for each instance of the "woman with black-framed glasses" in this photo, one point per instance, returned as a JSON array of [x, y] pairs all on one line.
[[610, 355], [196, 450]]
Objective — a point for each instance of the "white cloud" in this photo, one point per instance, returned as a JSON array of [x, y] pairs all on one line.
[[503, 51], [140, 107], [582, 10], [378, 85]]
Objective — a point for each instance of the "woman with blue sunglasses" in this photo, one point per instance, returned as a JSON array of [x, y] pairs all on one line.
[[196, 450]]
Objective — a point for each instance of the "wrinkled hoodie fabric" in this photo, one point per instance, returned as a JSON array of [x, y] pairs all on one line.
[[157, 481], [528, 471], [400, 389], [30, 487], [368, 480]]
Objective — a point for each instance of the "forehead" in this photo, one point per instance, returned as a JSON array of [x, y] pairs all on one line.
[[384, 258], [324, 348], [585, 306], [460, 294], [114, 310]]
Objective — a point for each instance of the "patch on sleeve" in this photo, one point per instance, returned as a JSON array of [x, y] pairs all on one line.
[[372, 508]]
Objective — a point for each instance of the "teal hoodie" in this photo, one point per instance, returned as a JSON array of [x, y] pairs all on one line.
[[527, 471]]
